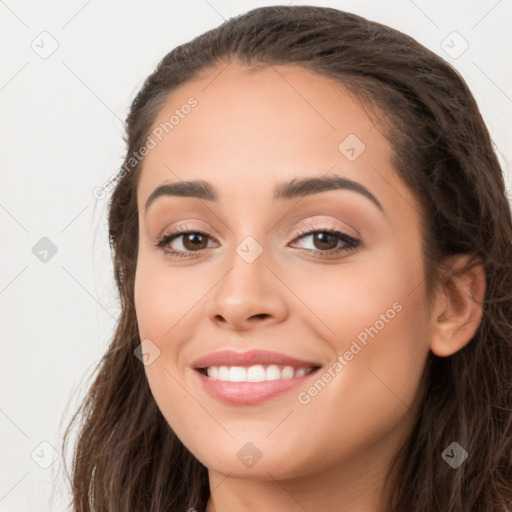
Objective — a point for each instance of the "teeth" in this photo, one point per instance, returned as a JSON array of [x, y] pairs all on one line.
[[237, 374], [223, 373], [287, 373], [273, 373], [300, 372], [256, 373]]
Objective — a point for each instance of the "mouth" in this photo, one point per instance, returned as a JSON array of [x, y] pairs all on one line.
[[255, 373], [249, 378]]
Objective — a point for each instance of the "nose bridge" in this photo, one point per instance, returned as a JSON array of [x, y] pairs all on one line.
[[249, 289], [249, 235], [248, 274]]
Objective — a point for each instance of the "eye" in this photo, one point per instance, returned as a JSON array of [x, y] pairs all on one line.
[[193, 241], [325, 241]]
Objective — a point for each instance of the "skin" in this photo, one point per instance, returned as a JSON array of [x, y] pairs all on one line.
[[249, 132]]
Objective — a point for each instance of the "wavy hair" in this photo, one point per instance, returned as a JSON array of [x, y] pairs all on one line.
[[126, 456]]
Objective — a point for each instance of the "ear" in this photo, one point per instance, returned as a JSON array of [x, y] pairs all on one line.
[[458, 310]]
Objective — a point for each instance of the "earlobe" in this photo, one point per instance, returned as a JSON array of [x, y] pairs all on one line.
[[459, 308]]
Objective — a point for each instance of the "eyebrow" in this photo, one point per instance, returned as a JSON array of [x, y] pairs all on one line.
[[295, 188]]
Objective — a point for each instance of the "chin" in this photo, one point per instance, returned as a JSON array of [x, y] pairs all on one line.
[[261, 459]]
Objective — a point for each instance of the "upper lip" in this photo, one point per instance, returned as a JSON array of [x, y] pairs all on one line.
[[249, 358]]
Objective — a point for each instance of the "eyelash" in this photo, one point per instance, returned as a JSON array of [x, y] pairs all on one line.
[[352, 243]]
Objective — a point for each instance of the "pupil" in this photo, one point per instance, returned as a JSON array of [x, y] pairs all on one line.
[[324, 239], [194, 239]]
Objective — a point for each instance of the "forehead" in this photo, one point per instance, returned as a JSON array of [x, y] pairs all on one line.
[[237, 102], [249, 129]]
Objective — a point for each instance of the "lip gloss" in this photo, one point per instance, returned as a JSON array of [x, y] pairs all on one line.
[[249, 393]]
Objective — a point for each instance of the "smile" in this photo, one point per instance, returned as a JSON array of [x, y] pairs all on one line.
[[255, 373], [251, 377]]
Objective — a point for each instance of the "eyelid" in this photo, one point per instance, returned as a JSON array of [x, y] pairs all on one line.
[[301, 230], [326, 226], [187, 226], [181, 230]]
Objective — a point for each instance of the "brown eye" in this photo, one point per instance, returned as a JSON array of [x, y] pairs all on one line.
[[324, 242], [193, 241], [183, 241]]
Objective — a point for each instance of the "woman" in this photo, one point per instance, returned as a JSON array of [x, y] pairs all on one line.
[[341, 339]]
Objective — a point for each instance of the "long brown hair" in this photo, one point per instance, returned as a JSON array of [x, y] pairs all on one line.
[[128, 458]]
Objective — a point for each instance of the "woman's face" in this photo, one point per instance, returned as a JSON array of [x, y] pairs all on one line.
[[249, 279]]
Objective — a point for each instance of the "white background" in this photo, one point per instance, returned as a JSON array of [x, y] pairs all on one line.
[[61, 136]]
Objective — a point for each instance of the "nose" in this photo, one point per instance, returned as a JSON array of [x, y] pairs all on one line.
[[249, 295]]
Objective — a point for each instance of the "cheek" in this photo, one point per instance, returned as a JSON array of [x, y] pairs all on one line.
[[374, 318], [168, 304], [372, 389], [162, 300], [164, 297], [362, 299]]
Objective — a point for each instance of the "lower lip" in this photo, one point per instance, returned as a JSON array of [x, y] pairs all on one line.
[[249, 393]]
